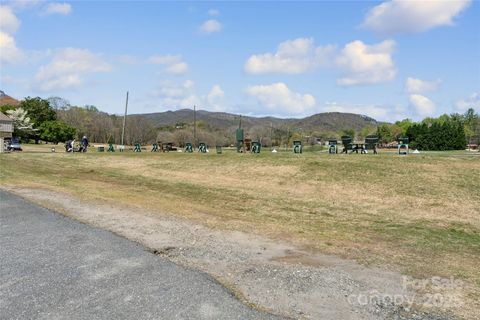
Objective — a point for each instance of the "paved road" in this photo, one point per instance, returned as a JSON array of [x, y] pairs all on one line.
[[52, 267]]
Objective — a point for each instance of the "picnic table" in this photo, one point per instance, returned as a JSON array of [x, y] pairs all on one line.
[[370, 143], [356, 146]]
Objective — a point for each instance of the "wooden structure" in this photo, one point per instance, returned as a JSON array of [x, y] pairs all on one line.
[[247, 145], [6, 130]]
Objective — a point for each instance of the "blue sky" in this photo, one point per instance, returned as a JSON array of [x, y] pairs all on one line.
[[386, 59]]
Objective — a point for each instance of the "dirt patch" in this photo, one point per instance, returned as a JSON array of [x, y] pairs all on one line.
[[275, 276]]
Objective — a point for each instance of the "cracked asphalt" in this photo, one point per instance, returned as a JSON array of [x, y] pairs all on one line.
[[53, 267]]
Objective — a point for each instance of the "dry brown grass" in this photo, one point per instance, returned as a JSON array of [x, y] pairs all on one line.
[[418, 214]]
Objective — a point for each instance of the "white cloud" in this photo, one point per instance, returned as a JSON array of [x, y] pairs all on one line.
[[215, 99], [400, 16], [376, 112], [213, 12], [177, 68], [381, 113], [23, 4], [8, 21], [9, 53], [58, 8], [170, 90], [358, 63], [424, 106], [173, 63], [472, 101], [68, 68], [366, 64], [173, 95], [215, 93], [211, 26], [292, 57], [413, 85], [278, 98], [176, 96]]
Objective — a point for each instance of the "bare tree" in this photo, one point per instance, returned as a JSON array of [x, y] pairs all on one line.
[[58, 103], [181, 137], [165, 136]]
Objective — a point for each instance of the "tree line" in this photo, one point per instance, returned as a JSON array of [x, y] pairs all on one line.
[[35, 119], [447, 132], [55, 120]]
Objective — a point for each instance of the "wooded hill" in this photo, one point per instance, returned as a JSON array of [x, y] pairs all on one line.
[[219, 127], [330, 121]]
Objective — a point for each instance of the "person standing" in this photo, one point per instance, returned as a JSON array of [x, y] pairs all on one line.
[[84, 143]]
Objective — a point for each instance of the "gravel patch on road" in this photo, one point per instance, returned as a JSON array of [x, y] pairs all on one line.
[[273, 276]]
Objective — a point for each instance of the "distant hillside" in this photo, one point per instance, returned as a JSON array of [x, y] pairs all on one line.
[[326, 122], [7, 100], [335, 121], [219, 120]]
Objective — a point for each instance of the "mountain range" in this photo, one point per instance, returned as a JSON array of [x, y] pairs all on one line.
[[222, 121], [326, 122]]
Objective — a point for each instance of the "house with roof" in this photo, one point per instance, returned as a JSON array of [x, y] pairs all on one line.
[[6, 130]]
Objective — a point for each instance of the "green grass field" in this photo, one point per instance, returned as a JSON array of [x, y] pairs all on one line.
[[417, 214]]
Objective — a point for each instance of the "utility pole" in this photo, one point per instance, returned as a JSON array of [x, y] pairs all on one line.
[[243, 135], [271, 136], [195, 125], [124, 119], [288, 138]]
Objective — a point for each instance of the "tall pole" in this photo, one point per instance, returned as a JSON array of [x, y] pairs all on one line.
[[271, 136], [288, 138], [195, 125], [243, 134], [124, 119]]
